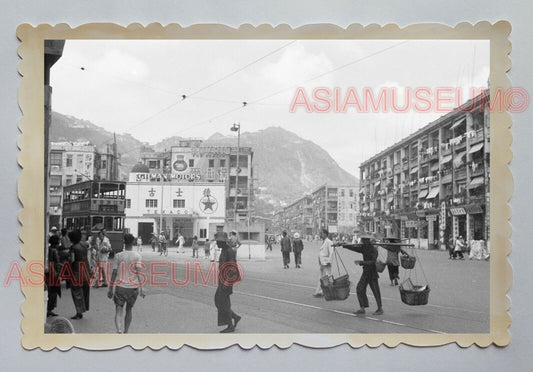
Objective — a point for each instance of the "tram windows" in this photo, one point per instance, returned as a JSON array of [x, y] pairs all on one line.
[[97, 223], [122, 191], [117, 223], [108, 223], [95, 190]]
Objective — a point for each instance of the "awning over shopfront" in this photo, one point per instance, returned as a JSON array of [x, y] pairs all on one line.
[[476, 182], [414, 170], [434, 192], [434, 167], [473, 209], [476, 148], [458, 122], [457, 211], [422, 194], [446, 159], [459, 159]]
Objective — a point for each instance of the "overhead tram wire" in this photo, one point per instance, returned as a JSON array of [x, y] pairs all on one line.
[[185, 96], [244, 104], [291, 87], [240, 69], [331, 71], [207, 121]]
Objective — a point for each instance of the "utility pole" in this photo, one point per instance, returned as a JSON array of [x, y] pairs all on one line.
[[236, 128]]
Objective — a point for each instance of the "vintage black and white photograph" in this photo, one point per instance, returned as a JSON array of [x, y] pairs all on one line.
[[267, 191]]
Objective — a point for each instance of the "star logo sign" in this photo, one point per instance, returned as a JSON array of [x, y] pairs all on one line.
[[208, 203]]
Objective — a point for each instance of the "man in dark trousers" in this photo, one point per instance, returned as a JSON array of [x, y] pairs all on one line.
[[286, 249], [297, 247], [228, 276], [370, 274]]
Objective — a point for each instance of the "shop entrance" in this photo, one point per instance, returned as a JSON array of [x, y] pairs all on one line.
[[185, 226], [145, 230]]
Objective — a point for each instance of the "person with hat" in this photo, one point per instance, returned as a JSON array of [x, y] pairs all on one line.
[[53, 231], [297, 248], [370, 276]]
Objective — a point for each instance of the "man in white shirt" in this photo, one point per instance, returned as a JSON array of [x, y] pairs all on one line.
[[180, 242], [324, 259], [126, 288]]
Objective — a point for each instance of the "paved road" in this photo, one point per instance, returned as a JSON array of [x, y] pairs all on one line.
[[275, 300]]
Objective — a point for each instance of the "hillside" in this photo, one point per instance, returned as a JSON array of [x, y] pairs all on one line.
[[285, 165]]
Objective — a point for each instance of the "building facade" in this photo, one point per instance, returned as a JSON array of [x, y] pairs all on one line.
[[228, 170], [75, 162], [192, 161], [335, 209], [331, 207], [161, 202], [434, 184]]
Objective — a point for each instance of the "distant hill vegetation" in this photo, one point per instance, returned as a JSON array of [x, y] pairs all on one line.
[[285, 165]]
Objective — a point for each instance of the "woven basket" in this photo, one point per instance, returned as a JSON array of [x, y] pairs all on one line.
[[407, 262], [419, 295], [380, 266], [338, 289]]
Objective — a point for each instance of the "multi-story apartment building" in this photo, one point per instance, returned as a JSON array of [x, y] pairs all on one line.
[[335, 209], [75, 162], [299, 216], [331, 207], [434, 184], [192, 161]]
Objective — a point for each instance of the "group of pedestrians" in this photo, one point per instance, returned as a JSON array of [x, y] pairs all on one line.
[[369, 276], [456, 248], [81, 260], [77, 258], [289, 245]]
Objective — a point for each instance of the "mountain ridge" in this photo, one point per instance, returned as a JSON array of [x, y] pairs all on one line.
[[286, 166]]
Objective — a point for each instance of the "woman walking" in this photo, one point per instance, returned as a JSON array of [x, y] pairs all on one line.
[[228, 275], [80, 285]]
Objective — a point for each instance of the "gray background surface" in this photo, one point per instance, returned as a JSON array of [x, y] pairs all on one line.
[[515, 357]]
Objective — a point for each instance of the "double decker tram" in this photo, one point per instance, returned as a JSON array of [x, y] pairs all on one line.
[[90, 206]]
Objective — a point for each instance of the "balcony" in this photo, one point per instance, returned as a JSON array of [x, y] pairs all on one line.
[[460, 173], [477, 137], [477, 171]]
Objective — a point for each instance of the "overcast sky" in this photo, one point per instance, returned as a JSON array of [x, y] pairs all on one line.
[[136, 87]]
